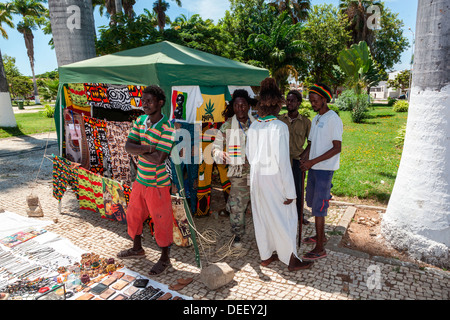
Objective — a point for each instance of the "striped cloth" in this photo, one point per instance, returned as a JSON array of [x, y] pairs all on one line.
[[162, 135], [90, 191]]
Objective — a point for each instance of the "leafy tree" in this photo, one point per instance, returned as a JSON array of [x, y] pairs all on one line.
[[48, 89], [244, 18], [401, 81], [160, 7], [280, 50], [33, 16], [298, 9], [327, 34]]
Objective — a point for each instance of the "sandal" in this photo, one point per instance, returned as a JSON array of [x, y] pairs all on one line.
[[131, 254], [314, 256], [162, 266], [273, 258]]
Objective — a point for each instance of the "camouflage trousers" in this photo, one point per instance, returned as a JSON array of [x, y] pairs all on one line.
[[237, 204]]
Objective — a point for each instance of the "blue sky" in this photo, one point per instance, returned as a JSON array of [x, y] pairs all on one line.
[[45, 58]]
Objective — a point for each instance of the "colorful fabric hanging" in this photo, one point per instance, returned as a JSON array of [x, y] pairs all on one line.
[[114, 200], [135, 95], [96, 136], [78, 94], [213, 104], [75, 143], [84, 110], [184, 103], [119, 97], [90, 191], [117, 134], [64, 174], [96, 95]]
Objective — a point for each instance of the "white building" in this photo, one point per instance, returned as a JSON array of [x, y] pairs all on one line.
[[382, 92]]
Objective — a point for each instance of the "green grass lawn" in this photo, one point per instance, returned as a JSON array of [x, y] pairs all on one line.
[[29, 123], [369, 158]]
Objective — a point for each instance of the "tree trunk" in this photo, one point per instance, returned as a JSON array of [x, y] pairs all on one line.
[[73, 30], [7, 118], [418, 215]]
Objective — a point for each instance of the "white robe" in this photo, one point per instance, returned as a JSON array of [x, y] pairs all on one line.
[[271, 183]]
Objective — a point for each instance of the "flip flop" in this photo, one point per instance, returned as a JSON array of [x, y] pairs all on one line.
[[131, 254], [311, 256], [312, 240]]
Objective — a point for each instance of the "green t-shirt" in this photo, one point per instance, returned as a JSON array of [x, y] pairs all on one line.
[[162, 136]]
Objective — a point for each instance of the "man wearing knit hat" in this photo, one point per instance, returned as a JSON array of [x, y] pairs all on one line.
[[321, 157]]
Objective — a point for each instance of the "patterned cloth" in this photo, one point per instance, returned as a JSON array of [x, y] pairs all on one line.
[[114, 200], [96, 136], [96, 95], [117, 133], [91, 191], [136, 95], [84, 110], [64, 175], [77, 94], [75, 143], [119, 97]]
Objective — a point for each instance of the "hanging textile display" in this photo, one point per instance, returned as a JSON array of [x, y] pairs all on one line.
[[91, 191], [77, 95], [96, 95], [76, 147], [64, 175], [185, 100], [135, 95], [117, 134], [114, 200], [205, 174], [213, 104], [119, 97], [84, 110], [96, 137]]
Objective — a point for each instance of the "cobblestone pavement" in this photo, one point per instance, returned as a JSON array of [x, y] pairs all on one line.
[[343, 275]]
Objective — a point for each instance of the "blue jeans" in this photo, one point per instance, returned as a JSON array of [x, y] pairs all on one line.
[[318, 191]]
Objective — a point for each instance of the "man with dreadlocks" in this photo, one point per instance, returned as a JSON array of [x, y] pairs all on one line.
[[321, 157], [272, 187]]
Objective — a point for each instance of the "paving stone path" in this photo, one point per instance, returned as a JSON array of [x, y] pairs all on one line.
[[343, 275]]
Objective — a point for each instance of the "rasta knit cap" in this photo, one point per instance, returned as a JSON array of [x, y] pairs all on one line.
[[322, 90]]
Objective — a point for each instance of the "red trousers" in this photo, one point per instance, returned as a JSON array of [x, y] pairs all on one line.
[[157, 203]]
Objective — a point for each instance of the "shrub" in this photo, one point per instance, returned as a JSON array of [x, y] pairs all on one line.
[[401, 106], [391, 101], [345, 100], [357, 104], [49, 111], [399, 140]]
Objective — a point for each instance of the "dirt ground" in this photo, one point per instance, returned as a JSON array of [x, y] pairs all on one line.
[[364, 234]]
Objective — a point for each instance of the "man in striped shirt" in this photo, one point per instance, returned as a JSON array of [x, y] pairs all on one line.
[[151, 138]]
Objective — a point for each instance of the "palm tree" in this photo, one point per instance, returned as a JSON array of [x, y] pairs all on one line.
[[418, 214], [7, 118], [33, 16], [298, 9], [72, 42], [356, 11], [279, 51], [160, 7]]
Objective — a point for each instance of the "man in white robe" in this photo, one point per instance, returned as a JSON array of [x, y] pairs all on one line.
[[273, 193]]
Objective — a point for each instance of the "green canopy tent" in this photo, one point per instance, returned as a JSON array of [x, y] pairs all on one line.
[[165, 64]]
